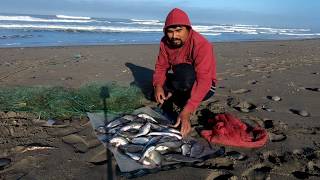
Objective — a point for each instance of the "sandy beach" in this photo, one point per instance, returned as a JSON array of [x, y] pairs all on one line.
[[278, 80]]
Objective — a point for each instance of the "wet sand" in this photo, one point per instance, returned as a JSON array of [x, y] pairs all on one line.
[[276, 81]]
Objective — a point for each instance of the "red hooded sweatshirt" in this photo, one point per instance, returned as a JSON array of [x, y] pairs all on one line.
[[196, 50]]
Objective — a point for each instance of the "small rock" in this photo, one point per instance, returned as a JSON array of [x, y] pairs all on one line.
[[274, 98], [234, 155], [277, 137], [77, 142], [99, 158], [303, 113], [77, 56], [4, 162]]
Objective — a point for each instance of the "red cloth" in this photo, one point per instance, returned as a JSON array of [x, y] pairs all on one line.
[[228, 130], [196, 50]]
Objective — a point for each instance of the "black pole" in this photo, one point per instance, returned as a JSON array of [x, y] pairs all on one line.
[[104, 94]]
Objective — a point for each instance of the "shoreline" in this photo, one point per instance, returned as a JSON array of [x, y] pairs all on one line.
[[157, 43]]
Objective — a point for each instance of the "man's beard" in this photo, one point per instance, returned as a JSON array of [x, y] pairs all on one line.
[[176, 43]]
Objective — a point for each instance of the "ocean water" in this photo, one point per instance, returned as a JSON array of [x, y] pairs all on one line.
[[60, 30]]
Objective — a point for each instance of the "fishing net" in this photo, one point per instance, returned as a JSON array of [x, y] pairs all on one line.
[[63, 103]]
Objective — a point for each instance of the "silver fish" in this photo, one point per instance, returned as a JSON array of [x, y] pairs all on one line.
[[162, 148], [147, 162], [144, 130], [157, 127], [155, 157], [171, 144], [165, 134], [114, 130], [134, 156], [174, 131], [117, 141], [186, 148], [147, 153], [117, 122], [101, 130], [140, 140], [129, 117], [133, 125], [146, 116]]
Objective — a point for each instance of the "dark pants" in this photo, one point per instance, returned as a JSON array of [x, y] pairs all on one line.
[[180, 85]]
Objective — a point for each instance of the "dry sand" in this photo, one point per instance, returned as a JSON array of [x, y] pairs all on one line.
[[249, 73]]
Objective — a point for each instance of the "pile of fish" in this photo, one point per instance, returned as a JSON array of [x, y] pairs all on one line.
[[152, 144]]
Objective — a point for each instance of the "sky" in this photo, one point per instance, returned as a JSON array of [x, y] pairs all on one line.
[[282, 13]]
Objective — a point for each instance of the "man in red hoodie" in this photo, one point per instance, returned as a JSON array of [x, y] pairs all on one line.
[[191, 58]]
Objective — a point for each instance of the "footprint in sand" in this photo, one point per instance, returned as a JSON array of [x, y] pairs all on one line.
[[239, 91], [257, 171], [219, 174], [302, 113]]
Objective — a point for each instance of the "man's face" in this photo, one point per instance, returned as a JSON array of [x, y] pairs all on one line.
[[177, 35]]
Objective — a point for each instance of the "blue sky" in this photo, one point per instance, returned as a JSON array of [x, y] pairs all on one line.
[[290, 13]]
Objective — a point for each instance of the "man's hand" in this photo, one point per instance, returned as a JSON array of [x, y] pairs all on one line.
[[184, 120], [160, 96]]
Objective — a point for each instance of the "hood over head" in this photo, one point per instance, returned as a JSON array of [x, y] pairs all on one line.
[[177, 17]]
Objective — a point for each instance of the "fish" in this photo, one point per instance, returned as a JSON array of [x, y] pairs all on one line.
[[186, 148], [147, 152], [129, 117], [117, 141], [144, 130], [140, 140], [101, 130], [146, 116], [174, 131], [155, 157], [165, 134], [114, 130], [171, 144], [117, 122], [161, 148], [134, 156], [133, 125]]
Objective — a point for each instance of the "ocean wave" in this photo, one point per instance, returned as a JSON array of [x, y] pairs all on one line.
[[34, 19], [79, 28], [211, 34], [73, 17], [296, 34], [147, 22]]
